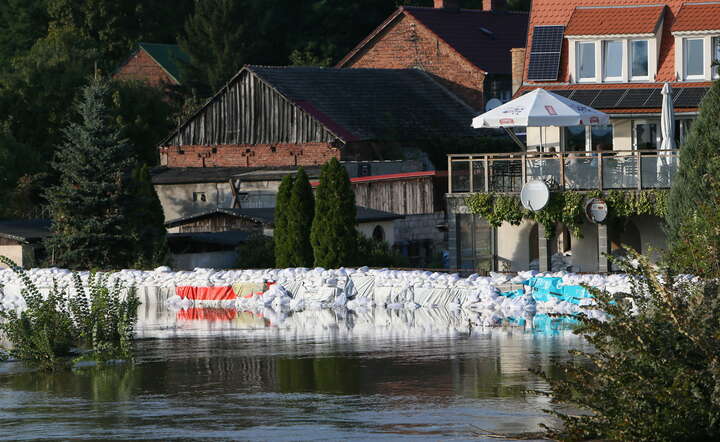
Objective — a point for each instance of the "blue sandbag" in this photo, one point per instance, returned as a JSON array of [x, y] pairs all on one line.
[[575, 293], [543, 323], [513, 294]]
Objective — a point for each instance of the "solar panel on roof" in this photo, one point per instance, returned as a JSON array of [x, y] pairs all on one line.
[[655, 98], [608, 98], [544, 67], [563, 93], [635, 97], [545, 53], [690, 97], [585, 96]]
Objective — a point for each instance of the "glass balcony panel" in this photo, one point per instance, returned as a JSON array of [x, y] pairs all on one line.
[[478, 170], [620, 172], [545, 169], [505, 175], [460, 176], [581, 171], [658, 171]]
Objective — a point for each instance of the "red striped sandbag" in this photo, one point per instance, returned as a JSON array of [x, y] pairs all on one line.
[[207, 314], [206, 293]]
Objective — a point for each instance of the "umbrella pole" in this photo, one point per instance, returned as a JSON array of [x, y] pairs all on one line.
[[515, 138]]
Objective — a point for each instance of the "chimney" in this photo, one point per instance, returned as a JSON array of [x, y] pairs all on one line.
[[493, 5], [517, 55], [450, 5]]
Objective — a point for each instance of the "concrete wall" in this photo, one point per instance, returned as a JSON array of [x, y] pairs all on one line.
[[547, 136], [622, 134], [513, 246], [585, 249], [367, 230], [652, 237], [177, 199], [420, 227], [21, 254]]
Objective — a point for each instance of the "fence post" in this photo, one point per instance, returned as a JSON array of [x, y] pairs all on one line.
[[450, 174]]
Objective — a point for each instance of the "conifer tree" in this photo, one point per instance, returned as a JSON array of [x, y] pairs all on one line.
[[300, 213], [282, 253], [691, 185], [149, 221], [93, 206], [333, 236]]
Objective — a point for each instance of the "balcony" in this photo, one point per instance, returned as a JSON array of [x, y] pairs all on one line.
[[609, 170]]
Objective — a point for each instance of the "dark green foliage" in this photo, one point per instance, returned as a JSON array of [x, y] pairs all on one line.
[[655, 372], [333, 235], [691, 185], [97, 318], [258, 252], [95, 207], [300, 214], [22, 22], [374, 253], [280, 235], [148, 222]]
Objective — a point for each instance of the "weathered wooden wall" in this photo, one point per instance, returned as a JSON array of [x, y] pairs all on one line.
[[221, 223], [414, 196], [249, 111]]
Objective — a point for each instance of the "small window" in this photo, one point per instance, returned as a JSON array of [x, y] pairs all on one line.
[[199, 196], [586, 60], [639, 59], [647, 134], [694, 59], [378, 233], [613, 60]]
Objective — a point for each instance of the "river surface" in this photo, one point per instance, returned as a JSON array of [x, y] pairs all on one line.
[[323, 375]]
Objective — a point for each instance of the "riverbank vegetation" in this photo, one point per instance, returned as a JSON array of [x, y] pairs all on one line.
[[92, 320]]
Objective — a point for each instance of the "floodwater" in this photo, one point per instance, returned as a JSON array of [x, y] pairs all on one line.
[[320, 375]]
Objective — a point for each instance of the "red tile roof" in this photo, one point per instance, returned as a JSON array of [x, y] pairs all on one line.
[[697, 17], [615, 20], [558, 12], [483, 38]]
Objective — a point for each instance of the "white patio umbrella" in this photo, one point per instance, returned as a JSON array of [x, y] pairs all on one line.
[[540, 108], [667, 119]]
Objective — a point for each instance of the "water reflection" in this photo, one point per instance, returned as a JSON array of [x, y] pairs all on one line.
[[308, 375]]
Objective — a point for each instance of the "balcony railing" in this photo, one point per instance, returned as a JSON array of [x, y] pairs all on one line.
[[507, 172]]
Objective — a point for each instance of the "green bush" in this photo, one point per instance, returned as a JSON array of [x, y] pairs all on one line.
[[95, 318], [375, 253], [654, 374], [258, 252]]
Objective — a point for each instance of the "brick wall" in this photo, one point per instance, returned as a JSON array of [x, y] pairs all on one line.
[[144, 68], [518, 68], [408, 44], [308, 154]]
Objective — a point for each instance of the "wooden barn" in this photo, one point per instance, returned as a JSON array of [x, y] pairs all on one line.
[[290, 116]]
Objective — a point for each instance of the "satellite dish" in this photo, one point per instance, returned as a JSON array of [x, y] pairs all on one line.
[[492, 104], [535, 195], [596, 210]]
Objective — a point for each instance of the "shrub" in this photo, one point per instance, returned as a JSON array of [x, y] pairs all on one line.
[[655, 371], [375, 253], [96, 318], [258, 252]]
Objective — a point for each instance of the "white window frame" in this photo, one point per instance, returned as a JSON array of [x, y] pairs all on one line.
[[598, 62], [714, 69], [709, 72], [623, 57], [600, 45], [630, 60], [685, 42]]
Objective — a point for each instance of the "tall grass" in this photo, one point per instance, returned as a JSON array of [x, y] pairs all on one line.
[[93, 318]]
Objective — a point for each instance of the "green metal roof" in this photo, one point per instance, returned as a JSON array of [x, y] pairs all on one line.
[[168, 57]]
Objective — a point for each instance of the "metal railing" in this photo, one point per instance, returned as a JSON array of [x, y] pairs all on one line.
[[507, 172]]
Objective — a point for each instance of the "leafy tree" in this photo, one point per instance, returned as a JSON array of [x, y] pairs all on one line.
[[375, 253], [691, 185], [93, 206], [283, 257], [655, 367], [333, 235], [22, 22], [300, 213], [258, 252]]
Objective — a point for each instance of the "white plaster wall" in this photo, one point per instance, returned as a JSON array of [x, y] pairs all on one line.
[[367, 230], [622, 134], [177, 199], [14, 252], [551, 137], [513, 246], [585, 249]]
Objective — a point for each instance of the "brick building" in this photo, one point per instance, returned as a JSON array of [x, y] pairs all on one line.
[[155, 64], [467, 50]]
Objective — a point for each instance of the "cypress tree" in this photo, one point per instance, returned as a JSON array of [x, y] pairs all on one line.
[[300, 213], [280, 235], [333, 236], [92, 205], [691, 185]]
